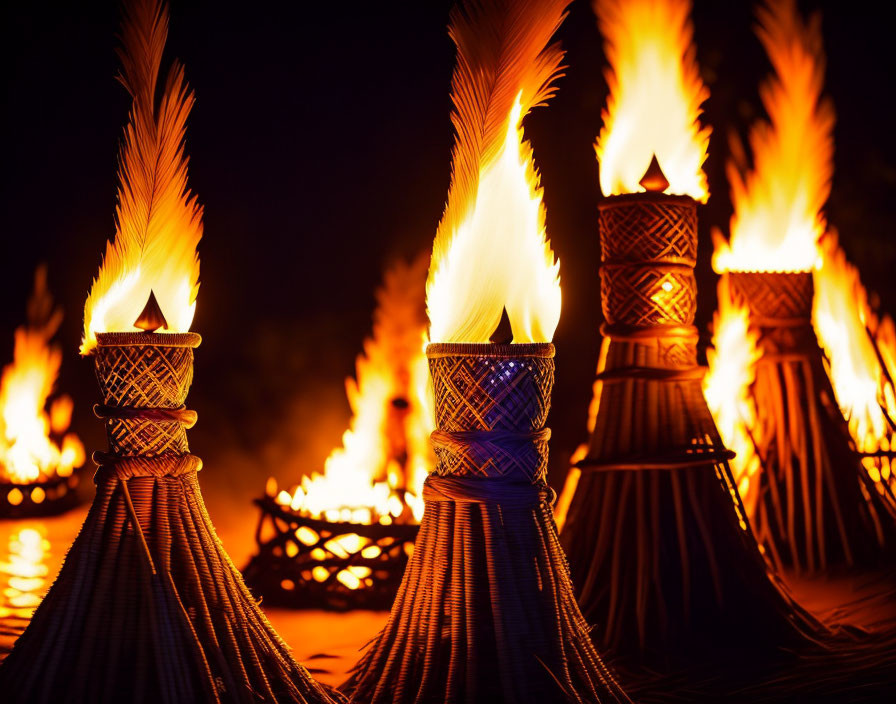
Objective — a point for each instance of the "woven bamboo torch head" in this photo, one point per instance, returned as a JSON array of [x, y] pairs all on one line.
[[648, 253], [145, 371]]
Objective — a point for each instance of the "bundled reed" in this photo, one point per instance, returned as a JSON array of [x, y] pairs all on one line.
[[661, 551], [148, 606]]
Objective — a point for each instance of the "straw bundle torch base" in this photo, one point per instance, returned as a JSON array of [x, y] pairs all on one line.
[[486, 611], [817, 508], [148, 606]]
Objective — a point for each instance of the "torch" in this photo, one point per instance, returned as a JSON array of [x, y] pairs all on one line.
[[816, 507], [38, 455], [148, 606], [486, 611], [341, 540], [660, 548]]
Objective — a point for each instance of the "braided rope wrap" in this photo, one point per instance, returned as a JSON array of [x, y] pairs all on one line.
[[649, 250]]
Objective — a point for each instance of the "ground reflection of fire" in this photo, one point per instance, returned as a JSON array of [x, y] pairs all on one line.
[[23, 571]]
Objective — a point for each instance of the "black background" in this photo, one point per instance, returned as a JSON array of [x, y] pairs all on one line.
[[320, 147]]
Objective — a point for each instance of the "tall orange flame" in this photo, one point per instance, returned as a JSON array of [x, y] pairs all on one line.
[[385, 453], [491, 251], [158, 221], [726, 387], [34, 442], [778, 217], [655, 97], [861, 352]]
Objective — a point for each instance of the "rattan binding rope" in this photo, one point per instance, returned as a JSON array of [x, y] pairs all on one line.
[[486, 611], [148, 606], [661, 552], [817, 507]]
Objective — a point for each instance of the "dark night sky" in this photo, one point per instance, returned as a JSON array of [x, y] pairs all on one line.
[[320, 147]]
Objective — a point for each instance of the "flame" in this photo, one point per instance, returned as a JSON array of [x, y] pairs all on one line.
[[158, 221], [726, 386], [778, 217], [377, 474], [655, 96], [25, 572], [861, 363], [491, 252], [499, 257], [34, 444]]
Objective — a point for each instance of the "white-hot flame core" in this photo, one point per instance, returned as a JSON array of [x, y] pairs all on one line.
[[655, 96], [499, 257], [363, 480], [727, 388], [841, 317], [778, 205], [33, 442]]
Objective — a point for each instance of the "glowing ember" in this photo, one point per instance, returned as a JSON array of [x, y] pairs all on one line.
[[25, 573], [158, 221], [861, 351], [490, 252], [732, 371], [655, 97], [377, 475], [34, 444], [778, 217]]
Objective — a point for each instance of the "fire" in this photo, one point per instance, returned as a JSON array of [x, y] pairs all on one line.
[[158, 221], [655, 96], [25, 572], [491, 252], [505, 225], [778, 216], [377, 475], [732, 371], [34, 442], [861, 351]]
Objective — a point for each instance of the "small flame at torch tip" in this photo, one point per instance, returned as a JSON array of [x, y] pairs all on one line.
[[727, 389], [655, 96]]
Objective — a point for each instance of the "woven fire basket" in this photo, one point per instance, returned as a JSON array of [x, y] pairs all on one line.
[[486, 611], [660, 548], [817, 506], [148, 606]]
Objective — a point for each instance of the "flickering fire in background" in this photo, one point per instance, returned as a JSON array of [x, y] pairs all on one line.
[[726, 386], [35, 445], [377, 475], [860, 347], [352, 526]]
